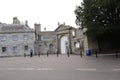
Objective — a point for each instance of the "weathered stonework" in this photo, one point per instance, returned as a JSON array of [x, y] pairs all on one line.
[[16, 39], [47, 38], [46, 42], [65, 39]]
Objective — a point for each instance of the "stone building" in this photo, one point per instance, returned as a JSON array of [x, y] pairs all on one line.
[[16, 39], [69, 40], [45, 41], [65, 39]]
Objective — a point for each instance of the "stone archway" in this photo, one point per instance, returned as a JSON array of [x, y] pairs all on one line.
[[63, 44], [62, 31]]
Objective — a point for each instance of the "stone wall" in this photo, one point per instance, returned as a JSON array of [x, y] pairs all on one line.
[[20, 43], [46, 43]]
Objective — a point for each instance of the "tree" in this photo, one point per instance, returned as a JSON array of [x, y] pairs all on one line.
[[100, 17]]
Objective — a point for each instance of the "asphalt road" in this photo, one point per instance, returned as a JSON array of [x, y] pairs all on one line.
[[60, 68]]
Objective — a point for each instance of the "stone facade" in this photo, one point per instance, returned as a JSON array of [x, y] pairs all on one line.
[[46, 42], [63, 45], [63, 40], [16, 39]]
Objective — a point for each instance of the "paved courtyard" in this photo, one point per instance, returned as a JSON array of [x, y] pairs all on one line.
[[60, 68]]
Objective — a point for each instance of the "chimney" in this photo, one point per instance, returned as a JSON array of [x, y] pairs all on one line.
[[16, 20], [63, 23], [44, 28], [58, 24], [26, 23]]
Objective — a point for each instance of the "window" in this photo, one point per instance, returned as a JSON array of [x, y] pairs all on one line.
[[3, 49], [15, 37], [26, 47], [25, 37], [3, 38], [51, 46], [73, 33], [14, 48], [40, 38]]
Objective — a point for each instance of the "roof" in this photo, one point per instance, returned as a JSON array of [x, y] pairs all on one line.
[[12, 27], [63, 27]]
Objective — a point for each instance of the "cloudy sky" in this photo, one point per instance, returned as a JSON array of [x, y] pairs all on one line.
[[45, 12]]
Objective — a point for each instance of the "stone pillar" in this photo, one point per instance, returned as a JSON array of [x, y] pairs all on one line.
[[70, 50], [57, 45], [85, 44], [16, 20]]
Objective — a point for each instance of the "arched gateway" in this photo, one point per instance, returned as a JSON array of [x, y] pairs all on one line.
[[64, 38], [63, 44]]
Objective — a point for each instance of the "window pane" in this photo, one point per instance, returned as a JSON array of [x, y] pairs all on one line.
[[14, 48], [73, 33], [41, 37], [3, 38], [15, 37], [25, 47], [3, 49]]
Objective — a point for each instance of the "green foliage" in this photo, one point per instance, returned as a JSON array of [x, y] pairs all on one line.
[[101, 17]]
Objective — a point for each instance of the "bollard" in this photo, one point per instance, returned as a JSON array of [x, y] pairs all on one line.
[[24, 55], [96, 54], [68, 54], [57, 54], [31, 53], [47, 54], [39, 54], [81, 53]]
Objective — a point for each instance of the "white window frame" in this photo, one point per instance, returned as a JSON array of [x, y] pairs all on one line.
[[3, 38]]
